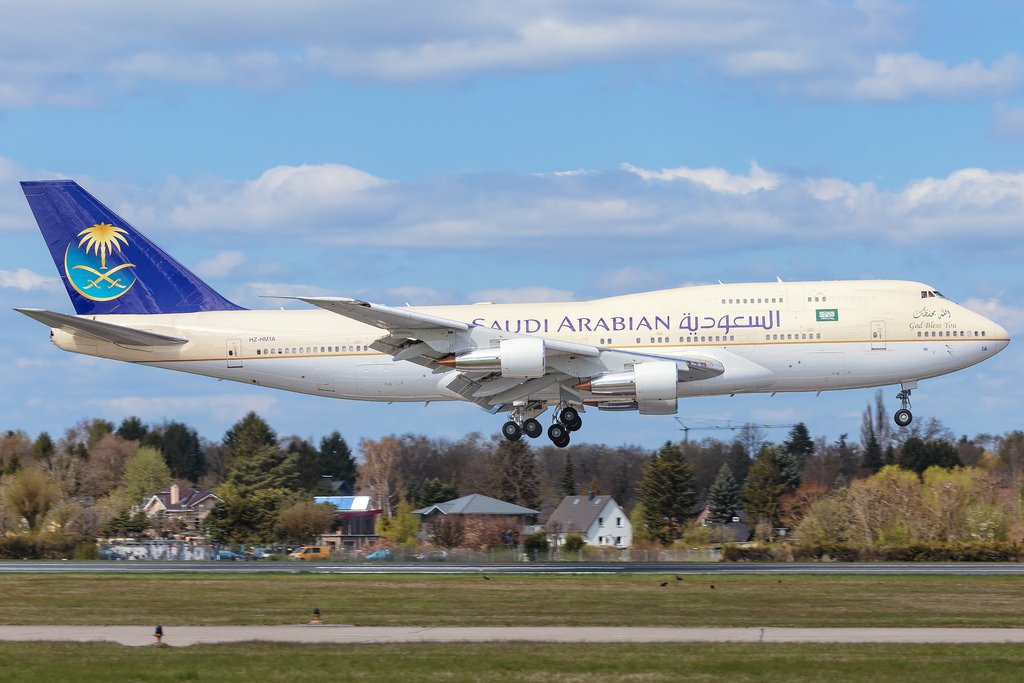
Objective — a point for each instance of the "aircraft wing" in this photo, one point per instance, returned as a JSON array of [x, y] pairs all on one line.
[[384, 317], [436, 342], [116, 334]]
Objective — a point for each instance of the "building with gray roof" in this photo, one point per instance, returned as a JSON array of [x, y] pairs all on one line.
[[599, 519]]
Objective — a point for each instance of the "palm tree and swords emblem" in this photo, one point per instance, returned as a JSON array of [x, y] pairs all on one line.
[[101, 284]]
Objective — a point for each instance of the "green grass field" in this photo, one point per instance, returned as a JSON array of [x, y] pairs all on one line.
[[513, 600], [29, 662]]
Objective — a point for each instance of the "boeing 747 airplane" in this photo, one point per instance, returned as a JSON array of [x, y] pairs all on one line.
[[639, 352]]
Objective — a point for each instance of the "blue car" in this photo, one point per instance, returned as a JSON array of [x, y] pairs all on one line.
[[227, 555], [382, 554]]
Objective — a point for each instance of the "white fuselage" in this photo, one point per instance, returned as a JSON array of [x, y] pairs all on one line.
[[770, 337]]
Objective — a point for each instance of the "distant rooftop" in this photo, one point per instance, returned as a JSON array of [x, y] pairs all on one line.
[[346, 503], [476, 504], [577, 513]]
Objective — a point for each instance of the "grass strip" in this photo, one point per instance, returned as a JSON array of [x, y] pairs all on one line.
[[268, 663], [521, 600]]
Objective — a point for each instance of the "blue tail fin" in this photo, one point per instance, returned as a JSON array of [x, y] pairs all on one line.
[[107, 265]]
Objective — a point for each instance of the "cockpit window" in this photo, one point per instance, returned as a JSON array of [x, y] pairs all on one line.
[[931, 293]]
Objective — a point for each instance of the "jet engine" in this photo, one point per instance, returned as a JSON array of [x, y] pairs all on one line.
[[522, 357], [654, 381]]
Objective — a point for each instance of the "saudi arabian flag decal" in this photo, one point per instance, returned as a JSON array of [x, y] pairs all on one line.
[[827, 315]]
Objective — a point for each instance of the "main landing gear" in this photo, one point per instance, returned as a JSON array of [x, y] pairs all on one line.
[[566, 420], [903, 416]]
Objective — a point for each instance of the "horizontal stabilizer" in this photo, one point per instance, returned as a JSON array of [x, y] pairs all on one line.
[[116, 334]]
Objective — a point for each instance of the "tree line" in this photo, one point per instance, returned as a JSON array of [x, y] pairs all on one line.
[[91, 480]]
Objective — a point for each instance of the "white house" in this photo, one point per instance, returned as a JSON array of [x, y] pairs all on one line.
[[599, 519]]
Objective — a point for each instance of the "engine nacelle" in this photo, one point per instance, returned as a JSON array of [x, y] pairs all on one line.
[[523, 358], [654, 381], [665, 407]]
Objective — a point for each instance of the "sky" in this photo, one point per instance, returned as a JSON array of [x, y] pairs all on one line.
[[444, 153]]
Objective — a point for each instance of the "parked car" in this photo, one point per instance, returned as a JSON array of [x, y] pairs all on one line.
[[228, 555], [433, 555], [382, 554]]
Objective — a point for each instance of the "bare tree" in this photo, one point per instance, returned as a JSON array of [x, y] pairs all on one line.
[[380, 474]]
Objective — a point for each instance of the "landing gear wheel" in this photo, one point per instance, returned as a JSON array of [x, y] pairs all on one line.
[[557, 433], [569, 415], [563, 442], [511, 431], [533, 428], [574, 426], [903, 417]]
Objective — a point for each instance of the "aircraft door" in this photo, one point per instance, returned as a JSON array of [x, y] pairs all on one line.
[[234, 353], [877, 335]]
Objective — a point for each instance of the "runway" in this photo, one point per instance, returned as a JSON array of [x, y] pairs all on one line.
[[323, 633], [158, 567]]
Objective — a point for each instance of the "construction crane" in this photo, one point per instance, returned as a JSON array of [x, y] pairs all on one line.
[[727, 425]]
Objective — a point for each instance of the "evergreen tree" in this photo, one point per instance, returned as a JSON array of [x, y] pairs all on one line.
[[43, 447], [249, 435], [182, 451], [432, 491], [308, 460], [799, 442], [513, 476], [918, 455], [764, 488], [336, 460], [788, 465], [132, 429], [567, 484], [97, 430], [723, 496], [13, 465], [873, 459], [268, 468], [667, 494]]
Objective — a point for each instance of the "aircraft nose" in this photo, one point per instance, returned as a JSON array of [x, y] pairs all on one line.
[[1001, 334]]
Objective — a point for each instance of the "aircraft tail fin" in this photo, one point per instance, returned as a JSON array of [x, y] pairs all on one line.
[[107, 265]]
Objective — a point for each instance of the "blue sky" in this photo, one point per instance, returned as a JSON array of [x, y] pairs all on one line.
[[412, 153]]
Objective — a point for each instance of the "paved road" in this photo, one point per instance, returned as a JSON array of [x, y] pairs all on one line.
[[192, 635], [155, 567]]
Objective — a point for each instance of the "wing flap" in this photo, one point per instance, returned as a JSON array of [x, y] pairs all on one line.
[[115, 334]]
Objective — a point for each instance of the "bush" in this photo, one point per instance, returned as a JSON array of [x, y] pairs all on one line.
[[87, 550], [952, 552], [574, 542], [911, 552], [535, 544], [828, 552], [756, 553], [19, 547]]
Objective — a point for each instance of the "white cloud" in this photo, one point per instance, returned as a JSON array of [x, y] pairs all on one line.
[[1010, 317], [84, 54], [522, 295], [220, 264], [332, 207], [898, 77], [714, 179], [27, 280]]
